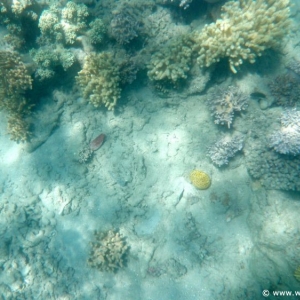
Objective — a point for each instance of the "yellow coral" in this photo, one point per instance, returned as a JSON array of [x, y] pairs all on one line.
[[200, 179], [246, 29]]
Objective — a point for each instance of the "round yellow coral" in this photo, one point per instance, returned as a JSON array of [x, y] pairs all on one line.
[[200, 179]]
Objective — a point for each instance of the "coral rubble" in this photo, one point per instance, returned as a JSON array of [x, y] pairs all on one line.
[[287, 139], [225, 148], [108, 251], [224, 104], [245, 30], [99, 80]]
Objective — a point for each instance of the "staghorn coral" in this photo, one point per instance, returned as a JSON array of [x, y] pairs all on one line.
[[14, 81], [172, 62], [225, 148], [245, 30], [99, 80], [223, 104], [108, 251], [287, 139], [200, 179]]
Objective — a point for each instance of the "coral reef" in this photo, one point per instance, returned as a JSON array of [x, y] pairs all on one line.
[[128, 66], [223, 104], [273, 170], [14, 81], [49, 58], [285, 89], [225, 148], [18, 18], [200, 179], [287, 139], [62, 25], [245, 30], [181, 3], [108, 251], [125, 25], [18, 128], [172, 62], [99, 80], [97, 31]]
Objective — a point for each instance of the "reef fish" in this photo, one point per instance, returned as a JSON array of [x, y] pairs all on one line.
[[97, 142]]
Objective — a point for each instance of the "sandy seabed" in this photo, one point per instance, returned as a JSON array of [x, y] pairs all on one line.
[[230, 241]]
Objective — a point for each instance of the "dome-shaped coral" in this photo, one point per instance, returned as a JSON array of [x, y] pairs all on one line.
[[200, 179]]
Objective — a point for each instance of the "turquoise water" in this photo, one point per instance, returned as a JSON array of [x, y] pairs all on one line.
[[119, 217]]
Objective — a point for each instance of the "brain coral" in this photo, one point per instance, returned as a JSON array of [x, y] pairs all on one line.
[[200, 179]]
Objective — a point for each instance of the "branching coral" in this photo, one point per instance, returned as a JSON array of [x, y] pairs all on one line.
[[96, 31], [63, 25], [287, 139], [99, 80], [172, 62], [48, 58], [224, 149], [245, 30], [223, 104], [19, 17], [108, 251], [14, 81]]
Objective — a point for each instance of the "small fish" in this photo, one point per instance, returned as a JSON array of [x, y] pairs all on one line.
[[97, 142]]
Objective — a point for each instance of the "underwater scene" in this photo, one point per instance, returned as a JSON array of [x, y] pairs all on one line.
[[149, 149]]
